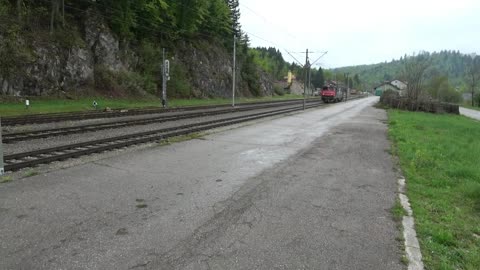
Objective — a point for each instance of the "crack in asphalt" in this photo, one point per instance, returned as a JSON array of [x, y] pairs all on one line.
[[204, 236]]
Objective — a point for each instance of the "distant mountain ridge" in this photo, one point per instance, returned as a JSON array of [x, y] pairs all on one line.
[[452, 64]]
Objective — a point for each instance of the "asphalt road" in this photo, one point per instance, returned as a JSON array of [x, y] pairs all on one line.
[[307, 191], [470, 113]]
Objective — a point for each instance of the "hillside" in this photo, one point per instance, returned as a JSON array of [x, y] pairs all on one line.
[[115, 48], [451, 64]]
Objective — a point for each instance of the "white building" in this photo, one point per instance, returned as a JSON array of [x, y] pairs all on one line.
[[399, 84]]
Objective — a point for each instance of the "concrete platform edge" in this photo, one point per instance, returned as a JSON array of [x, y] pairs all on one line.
[[412, 246]]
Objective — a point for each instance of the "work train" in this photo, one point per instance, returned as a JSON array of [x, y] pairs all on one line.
[[332, 93]]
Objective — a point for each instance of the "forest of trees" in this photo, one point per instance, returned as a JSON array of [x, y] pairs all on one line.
[[131, 19], [144, 26], [445, 78], [271, 60], [452, 64]]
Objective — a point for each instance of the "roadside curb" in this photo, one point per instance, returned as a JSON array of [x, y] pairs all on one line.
[[412, 246]]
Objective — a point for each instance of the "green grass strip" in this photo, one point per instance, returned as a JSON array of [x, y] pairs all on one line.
[[440, 157], [43, 105]]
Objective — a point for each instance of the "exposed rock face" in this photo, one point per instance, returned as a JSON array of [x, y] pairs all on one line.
[[266, 84], [210, 70], [53, 68], [102, 43], [78, 68]]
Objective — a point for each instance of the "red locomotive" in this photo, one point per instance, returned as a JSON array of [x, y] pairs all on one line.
[[332, 93]]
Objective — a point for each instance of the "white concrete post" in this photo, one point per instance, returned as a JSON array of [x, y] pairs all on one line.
[[2, 171]]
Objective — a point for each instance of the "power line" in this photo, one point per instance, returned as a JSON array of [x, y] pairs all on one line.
[[265, 20], [276, 45], [254, 12], [295, 59]]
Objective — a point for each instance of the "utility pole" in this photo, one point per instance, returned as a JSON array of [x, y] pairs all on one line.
[[346, 77], [307, 72], [2, 171], [306, 81], [234, 68], [310, 81], [165, 77]]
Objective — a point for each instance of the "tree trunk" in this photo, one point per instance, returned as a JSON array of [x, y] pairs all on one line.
[[63, 13], [52, 17], [19, 10]]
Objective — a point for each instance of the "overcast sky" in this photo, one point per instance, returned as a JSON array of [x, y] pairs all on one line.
[[362, 32]]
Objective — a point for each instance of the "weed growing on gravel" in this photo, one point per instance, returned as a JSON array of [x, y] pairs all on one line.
[[440, 157], [404, 260], [142, 205], [31, 173], [5, 179], [397, 211], [380, 105], [181, 138]]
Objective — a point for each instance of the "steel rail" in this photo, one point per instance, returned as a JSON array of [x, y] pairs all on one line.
[[45, 133], [58, 117], [23, 160]]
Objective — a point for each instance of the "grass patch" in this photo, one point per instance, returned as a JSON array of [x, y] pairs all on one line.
[[470, 107], [404, 260], [397, 211], [440, 157], [181, 138], [42, 105], [380, 105], [142, 205], [30, 173], [6, 179]]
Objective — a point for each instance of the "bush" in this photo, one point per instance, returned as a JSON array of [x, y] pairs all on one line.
[[388, 95], [105, 80], [278, 90], [123, 82], [431, 106], [179, 86], [476, 99]]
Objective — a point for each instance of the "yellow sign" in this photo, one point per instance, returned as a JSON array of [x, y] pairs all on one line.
[[289, 77]]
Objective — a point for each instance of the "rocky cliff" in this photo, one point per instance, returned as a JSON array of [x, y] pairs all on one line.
[[94, 58]]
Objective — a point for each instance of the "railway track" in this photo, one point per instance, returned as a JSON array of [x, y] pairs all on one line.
[[45, 133], [19, 161], [58, 117]]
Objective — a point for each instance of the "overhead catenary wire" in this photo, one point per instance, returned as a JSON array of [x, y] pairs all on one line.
[[265, 20], [295, 59]]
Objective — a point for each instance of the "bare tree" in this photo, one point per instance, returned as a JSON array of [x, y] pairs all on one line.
[[473, 76], [413, 73]]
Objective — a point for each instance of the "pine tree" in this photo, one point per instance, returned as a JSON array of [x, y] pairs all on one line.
[[235, 11]]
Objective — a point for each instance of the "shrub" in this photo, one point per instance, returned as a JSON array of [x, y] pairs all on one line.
[[278, 90], [424, 104], [476, 99], [179, 86], [123, 82]]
